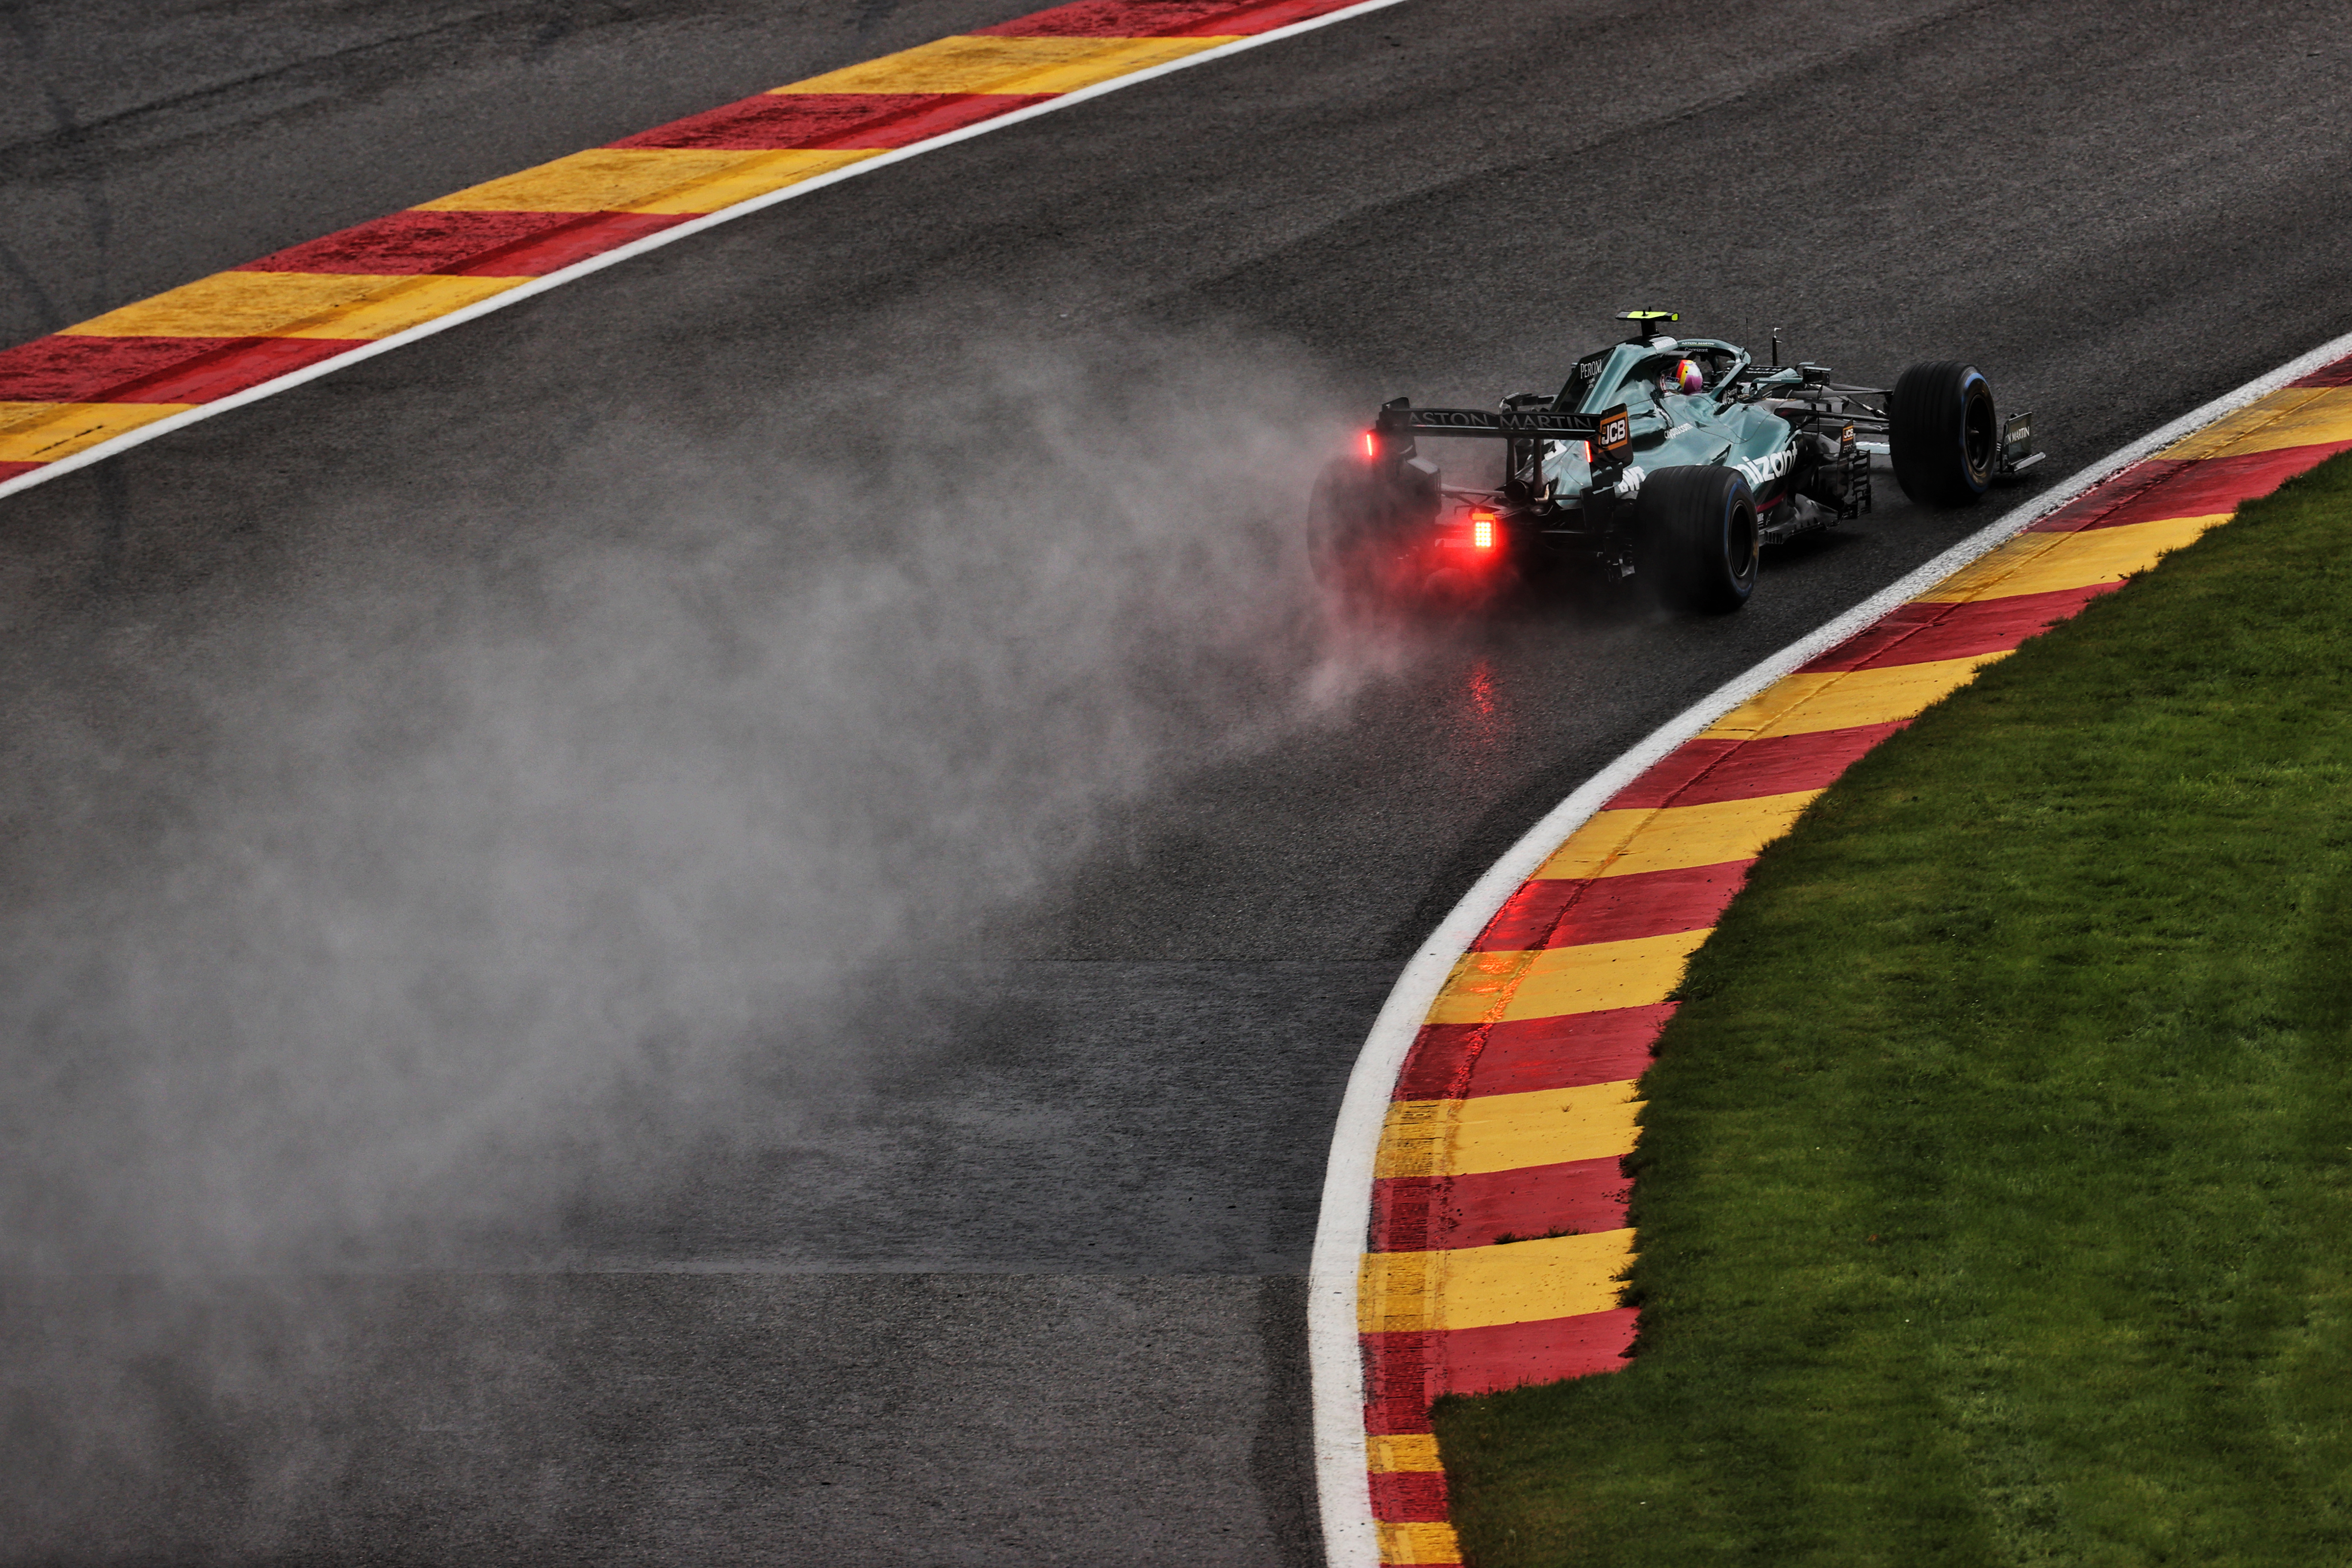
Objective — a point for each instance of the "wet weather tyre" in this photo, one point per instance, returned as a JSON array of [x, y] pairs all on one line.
[[1362, 524], [1945, 437], [1700, 524], [1350, 525], [1336, 514]]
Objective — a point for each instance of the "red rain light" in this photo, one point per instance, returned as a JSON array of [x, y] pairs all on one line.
[[1372, 446], [1482, 530]]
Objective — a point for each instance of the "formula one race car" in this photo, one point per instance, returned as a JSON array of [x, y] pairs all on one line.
[[1678, 459]]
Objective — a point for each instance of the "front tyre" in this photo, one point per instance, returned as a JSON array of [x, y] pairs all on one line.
[[1700, 525], [1945, 438]]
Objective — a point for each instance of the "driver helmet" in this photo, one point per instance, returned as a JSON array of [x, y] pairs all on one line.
[[1686, 378]]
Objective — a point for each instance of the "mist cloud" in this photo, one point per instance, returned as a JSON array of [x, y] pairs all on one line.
[[368, 905], [447, 866]]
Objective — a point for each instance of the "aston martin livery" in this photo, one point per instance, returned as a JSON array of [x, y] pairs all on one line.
[[1674, 459]]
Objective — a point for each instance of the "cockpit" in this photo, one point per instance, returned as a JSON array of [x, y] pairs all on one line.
[[1635, 374]]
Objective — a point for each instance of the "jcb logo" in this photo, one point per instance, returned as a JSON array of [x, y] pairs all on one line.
[[1615, 429]]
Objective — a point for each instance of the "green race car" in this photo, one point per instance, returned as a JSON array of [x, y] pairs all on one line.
[[1675, 459]]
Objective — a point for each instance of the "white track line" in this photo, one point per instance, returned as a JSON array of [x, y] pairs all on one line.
[[1349, 1540], [619, 254]]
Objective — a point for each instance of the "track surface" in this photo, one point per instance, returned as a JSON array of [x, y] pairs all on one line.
[[1016, 1277]]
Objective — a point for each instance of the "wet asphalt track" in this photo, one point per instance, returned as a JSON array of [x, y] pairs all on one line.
[[1037, 1297]]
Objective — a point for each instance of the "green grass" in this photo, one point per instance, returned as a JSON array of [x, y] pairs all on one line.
[[1995, 1184]]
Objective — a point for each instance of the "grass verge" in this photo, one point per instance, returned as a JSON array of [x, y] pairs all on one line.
[[1996, 1184]]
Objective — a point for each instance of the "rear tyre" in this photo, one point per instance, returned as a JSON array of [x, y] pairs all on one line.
[[1335, 513], [1704, 543], [1362, 524], [1945, 436]]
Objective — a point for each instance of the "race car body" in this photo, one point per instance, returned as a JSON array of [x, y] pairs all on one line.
[[1678, 459]]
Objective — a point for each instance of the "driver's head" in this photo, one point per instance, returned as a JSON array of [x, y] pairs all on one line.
[[1684, 377]]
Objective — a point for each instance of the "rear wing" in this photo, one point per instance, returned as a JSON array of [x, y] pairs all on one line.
[[1611, 431]]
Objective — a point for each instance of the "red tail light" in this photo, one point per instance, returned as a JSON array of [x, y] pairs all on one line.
[[1482, 530], [1372, 446]]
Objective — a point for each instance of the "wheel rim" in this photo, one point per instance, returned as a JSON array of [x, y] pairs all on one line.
[[1977, 436], [1740, 544]]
